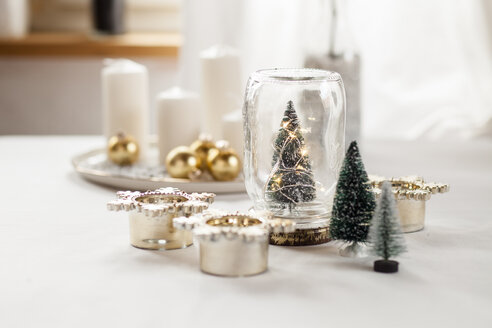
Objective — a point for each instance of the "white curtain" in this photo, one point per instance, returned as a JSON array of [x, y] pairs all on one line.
[[427, 64]]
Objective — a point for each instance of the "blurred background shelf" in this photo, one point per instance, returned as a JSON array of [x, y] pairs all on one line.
[[78, 44]]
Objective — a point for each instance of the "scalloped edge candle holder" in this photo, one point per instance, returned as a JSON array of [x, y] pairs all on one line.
[[233, 243], [152, 213], [411, 194]]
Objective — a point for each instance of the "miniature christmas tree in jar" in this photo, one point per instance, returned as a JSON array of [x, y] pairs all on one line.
[[291, 180], [291, 172]]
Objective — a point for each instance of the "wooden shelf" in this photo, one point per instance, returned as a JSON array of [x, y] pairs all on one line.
[[71, 44]]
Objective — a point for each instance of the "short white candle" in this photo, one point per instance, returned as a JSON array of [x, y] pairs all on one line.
[[178, 119], [232, 127], [125, 101], [221, 86]]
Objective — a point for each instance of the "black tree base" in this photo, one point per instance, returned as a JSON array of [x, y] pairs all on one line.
[[386, 266]]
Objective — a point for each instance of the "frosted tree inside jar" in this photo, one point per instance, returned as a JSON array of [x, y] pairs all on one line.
[[294, 123], [291, 179]]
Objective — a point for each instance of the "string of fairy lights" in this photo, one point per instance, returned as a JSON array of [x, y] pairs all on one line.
[[290, 182]]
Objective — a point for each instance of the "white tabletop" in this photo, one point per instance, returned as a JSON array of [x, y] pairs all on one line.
[[66, 260]]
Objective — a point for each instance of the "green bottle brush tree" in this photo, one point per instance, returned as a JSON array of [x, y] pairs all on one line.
[[353, 205], [385, 233]]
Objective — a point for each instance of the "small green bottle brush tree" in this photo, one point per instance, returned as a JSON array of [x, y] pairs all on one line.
[[353, 205], [385, 233], [291, 180]]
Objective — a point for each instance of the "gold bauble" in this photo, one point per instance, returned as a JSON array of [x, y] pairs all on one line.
[[223, 163], [181, 162], [200, 148], [123, 149]]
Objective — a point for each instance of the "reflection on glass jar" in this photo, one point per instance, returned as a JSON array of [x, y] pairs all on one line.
[[294, 123]]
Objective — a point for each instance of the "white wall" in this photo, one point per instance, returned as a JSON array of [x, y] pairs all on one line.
[[63, 95]]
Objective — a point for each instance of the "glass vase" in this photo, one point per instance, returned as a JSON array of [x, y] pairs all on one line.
[[343, 57], [294, 125]]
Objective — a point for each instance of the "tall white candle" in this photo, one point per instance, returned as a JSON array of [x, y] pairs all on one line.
[[220, 86], [178, 119], [125, 101], [232, 128], [14, 18]]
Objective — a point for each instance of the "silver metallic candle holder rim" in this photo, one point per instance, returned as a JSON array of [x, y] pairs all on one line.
[[149, 203], [204, 230], [151, 215], [411, 187]]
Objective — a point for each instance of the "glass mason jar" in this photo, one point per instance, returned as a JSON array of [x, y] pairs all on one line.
[[294, 125]]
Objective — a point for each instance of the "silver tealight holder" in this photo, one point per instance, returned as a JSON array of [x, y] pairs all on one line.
[[152, 214], [411, 194], [233, 244]]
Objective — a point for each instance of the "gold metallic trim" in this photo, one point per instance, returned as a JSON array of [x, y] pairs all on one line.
[[233, 221], [303, 237], [409, 188]]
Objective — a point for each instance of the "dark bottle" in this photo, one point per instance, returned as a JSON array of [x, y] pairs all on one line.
[[108, 16]]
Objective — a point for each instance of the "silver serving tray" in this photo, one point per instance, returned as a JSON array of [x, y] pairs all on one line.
[[94, 167]]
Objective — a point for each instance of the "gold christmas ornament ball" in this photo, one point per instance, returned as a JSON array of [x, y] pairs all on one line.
[[223, 164], [201, 148], [123, 149], [181, 162]]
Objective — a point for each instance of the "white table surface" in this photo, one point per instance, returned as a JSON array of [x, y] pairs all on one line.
[[66, 261]]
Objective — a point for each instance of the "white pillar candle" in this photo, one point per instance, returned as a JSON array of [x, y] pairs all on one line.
[[14, 18], [232, 128], [125, 101], [178, 119], [220, 86]]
